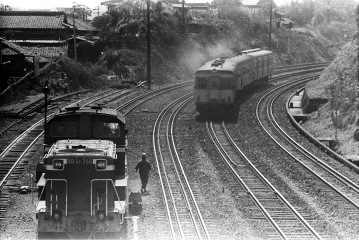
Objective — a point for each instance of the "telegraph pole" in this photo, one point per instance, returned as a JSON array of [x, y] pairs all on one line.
[[74, 27], [148, 45], [270, 25], [357, 21], [183, 20], [98, 10]]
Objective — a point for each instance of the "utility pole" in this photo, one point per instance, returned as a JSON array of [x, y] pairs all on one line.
[[357, 20], [98, 10], [290, 25], [183, 19], [46, 92], [0, 51], [148, 45], [270, 25], [289, 47], [74, 27]]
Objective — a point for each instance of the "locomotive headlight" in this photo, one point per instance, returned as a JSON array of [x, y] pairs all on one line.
[[58, 164], [101, 215], [101, 164]]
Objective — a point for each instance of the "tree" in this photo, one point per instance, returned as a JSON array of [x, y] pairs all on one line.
[[226, 7], [4, 8]]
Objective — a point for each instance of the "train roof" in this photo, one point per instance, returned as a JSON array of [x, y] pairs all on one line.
[[98, 110], [229, 64], [83, 148]]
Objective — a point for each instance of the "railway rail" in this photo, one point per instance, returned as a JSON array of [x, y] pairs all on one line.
[[284, 221], [334, 184], [298, 67], [184, 216]]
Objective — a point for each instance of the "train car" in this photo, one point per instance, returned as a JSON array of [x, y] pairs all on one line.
[[79, 195], [88, 178], [219, 82]]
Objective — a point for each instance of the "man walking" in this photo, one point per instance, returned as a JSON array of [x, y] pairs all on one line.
[[144, 167]]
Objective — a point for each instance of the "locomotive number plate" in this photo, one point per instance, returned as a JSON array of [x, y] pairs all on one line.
[[79, 161]]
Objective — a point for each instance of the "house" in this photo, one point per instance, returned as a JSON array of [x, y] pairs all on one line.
[[16, 61], [44, 32], [33, 25]]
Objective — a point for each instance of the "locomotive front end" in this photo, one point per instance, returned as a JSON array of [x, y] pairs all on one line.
[[79, 193]]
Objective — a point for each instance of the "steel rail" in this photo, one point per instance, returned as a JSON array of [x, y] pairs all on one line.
[[262, 125], [159, 160], [18, 160], [171, 142], [228, 162], [151, 94], [309, 155]]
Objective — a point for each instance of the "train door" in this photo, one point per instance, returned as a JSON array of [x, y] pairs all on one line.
[[214, 90]]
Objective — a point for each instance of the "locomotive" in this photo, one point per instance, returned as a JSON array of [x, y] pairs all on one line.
[[219, 82], [82, 179]]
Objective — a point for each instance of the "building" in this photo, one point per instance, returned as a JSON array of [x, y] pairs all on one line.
[[43, 32], [16, 61]]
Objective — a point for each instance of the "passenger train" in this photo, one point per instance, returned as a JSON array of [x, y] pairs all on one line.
[[219, 82], [82, 179]]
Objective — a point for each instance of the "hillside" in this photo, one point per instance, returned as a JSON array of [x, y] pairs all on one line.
[[334, 103]]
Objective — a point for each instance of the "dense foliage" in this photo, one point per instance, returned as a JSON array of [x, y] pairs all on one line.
[[333, 19], [182, 41]]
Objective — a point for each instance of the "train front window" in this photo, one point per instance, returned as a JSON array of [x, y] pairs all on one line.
[[214, 82], [225, 83], [201, 83], [63, 129], [106, 129]]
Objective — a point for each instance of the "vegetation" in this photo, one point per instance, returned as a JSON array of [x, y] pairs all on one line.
[[177, 51]]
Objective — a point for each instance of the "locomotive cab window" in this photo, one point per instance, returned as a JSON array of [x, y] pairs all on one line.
[[106, 129], [63, 129]]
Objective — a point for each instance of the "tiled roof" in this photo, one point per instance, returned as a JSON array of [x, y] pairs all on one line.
[[45, 48], [48, 51], [8, 52], [31, 20], [9, 48]]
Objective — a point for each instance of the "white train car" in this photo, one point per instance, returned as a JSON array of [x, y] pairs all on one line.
[[219, 82]]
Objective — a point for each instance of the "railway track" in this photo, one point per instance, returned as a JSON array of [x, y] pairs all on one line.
[[29, 110], [299, 67], [185, 220], [342, 191], [283, 221], [328, 175]]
